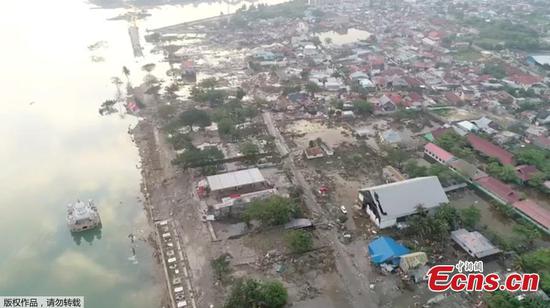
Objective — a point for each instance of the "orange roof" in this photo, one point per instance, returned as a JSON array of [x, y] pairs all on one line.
[[535, 211], [439, 152], [490, 149]]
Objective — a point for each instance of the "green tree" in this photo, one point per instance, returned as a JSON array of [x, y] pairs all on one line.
[[414, 170], [538, 262], [363, 107], [126, 73], [316, 41], [226, 126], [429, 227], [299, 241], [527, 232], [181, 141], [195, 117], [470, 216], [537, 180], [442, 172], [495, 70], [396, 156], [312, 88], [276, 210], [508, 173], [328, 40], [240, 94], [249, 293], [250, 151], [451, 140], [221, 267], [208, 159], [107, 107], [533, 156], [450, 215], [501, 299], [208, 83]]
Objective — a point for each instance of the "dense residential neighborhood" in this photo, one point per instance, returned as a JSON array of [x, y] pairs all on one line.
[[330, 153], [326, 137]]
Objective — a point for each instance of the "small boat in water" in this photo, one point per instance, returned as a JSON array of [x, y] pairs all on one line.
[[82, 216]]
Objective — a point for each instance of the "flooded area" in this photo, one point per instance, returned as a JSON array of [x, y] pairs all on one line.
[[58, 69], [308, 130], [490, 217], [348, 36]]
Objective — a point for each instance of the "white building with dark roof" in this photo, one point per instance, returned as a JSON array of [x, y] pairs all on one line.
[[392, 203]]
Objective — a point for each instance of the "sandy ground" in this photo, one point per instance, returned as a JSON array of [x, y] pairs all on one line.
[[170, 196]]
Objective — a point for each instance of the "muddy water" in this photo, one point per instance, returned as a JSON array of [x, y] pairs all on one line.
[[349, 36], [56, 148], [308, 130]]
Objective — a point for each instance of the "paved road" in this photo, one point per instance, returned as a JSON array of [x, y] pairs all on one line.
[[351, 262]]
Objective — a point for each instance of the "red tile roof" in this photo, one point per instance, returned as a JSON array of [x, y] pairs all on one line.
[[435, 35], [498, 188], [415, 97], [314, 152], [535, 211], [439, 152], [490, 149], [412, 82], [392, 72], [453, 98], [526, 172], [395, 98], [525, 79]]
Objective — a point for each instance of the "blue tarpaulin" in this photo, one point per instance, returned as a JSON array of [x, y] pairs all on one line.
[[386, 249]]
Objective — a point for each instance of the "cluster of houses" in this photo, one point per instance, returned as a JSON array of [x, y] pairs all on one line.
[[498, 190]]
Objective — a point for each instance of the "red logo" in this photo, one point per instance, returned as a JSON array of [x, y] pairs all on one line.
[[442, 278]]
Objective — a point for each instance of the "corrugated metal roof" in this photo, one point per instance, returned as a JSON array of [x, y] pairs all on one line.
[[401, 198], [542, 59], [235, 179], [474, 243]]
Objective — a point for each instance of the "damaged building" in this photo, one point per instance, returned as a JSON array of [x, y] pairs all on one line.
[[392, 203]]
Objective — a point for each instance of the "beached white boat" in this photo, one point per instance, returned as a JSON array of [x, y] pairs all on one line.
[[82, 216]]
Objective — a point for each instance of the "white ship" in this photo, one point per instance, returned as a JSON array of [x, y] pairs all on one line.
[[82, 216]]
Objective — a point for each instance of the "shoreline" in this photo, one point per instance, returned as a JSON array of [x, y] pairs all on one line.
[[168, 197], [139, 137]]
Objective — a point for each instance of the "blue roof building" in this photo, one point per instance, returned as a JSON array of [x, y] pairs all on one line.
[[385, 249]]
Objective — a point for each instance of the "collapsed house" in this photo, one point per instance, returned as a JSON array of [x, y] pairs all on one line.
[[474, 243]]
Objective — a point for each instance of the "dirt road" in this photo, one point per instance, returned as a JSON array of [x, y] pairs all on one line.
[[351, 262]]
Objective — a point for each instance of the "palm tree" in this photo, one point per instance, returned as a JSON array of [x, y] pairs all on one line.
[[126, 73], [312, 88], [117, 82]]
